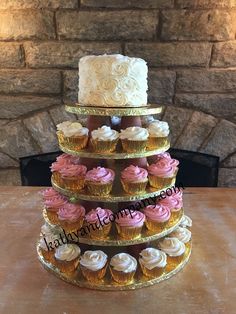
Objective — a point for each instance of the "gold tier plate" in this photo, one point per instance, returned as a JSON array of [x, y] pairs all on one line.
[[102, 111], [87, 153], [111, 198], [139, 281], [112, 240]]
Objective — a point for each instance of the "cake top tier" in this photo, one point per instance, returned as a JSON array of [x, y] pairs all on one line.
[[112, 81]]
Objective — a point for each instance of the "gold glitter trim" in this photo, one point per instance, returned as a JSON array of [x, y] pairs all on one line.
[[101, 111], [139, 280]]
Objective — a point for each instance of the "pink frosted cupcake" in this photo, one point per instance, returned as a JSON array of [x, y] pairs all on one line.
[[49, 193], [129, 224], [134, 179], [71, 217], [69, 159], [73, 177], [99, 181], [157, 217], [163, 173], [52, 206], [98, 222], [175, 204]]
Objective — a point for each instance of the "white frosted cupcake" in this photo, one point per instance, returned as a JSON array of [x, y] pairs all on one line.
[[104, 139], [134, 139], [93, 265], [47, 230], [158, 134], [174, 249], [67, 257], [72, 134], [45, 248], [152, 262], [123, 267], [183, 234], [186, 221]]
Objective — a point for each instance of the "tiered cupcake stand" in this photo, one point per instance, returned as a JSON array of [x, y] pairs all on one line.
[[113, 244]]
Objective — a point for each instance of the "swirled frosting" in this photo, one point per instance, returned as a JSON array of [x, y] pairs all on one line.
[[183, 234], [68, 158], [186, 221], [98, 214], [172, 246], [100, 175], [93, 260], [49, 193], [47, 230], [171, 202], [71, 212], [67, 252], [134, 174], [157, 213], [123, 262], [166, 156], [112, 81], [134, 133], [151, 258], [73, 171], [59, 165], [158, 129], [105, 133], [63, 125], [53, 204], [70, 129], [131, 218], [162, 168]]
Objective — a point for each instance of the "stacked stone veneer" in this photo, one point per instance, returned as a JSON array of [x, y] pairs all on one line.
[[191, 52]]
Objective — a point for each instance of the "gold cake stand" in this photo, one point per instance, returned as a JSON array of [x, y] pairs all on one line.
[[139, 281]]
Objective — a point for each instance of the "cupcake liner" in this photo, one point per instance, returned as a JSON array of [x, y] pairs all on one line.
[[48, 255], [93, 276], [121, 277], [100, 233], [157, 142], [67, 266], [71, 227], [176, 215], [99, 189], [73, 183], [76, 142], [104, 146], [134, 187], [155, 226], [52, 216], [161, 183], [58, 179], [60, 137], [134, 146], [129, 233], [152, 273], [173, 261]]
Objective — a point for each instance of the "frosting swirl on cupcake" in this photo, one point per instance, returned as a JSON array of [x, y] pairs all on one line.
[[73, 171], [93, 260], [151, 258], [71, 212], [67, 252], [49, 193], [100, 175], [123, 262], [172, 203], [99, 213], [134, 133], [69, 159], [131, 218], [105, 133], [158, 213], [162, 168], [186, 221], [72, 129], [158, 129], [134, 174], [55, 203], [172, 246], [183, 234], [63, 125]]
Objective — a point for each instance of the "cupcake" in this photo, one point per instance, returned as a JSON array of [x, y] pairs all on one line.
[[158, 134], [157, 217], [174, 249], [67, 258], [72, 134], [99, 218], [46, 251], [71, 217], [99, 181], [134, 179], [163, 173], [48, 230], [52, 206], [68, 159], [93, 265], [152, 262], [49, 193], [104, 139], [129, 224], [73, 177], [134, 139], [123, 267], [175, 204], [183, 234], [186, 221]]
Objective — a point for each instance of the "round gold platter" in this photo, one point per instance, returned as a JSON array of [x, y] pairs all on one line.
[[111, 198], [107, 284], [87, 153], [113, 240], [102, 111]]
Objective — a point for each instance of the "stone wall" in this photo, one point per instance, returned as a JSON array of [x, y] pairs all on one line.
[[189, 45]]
